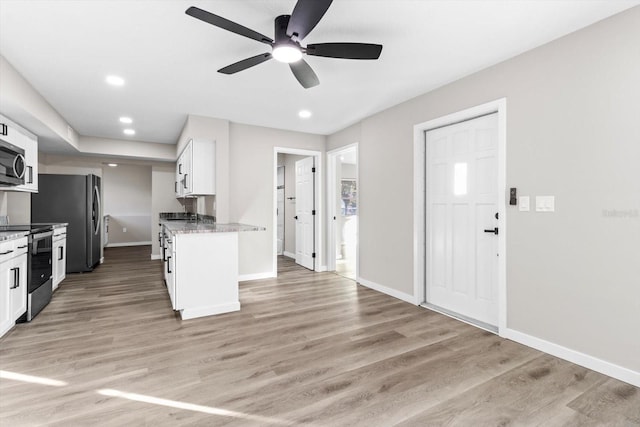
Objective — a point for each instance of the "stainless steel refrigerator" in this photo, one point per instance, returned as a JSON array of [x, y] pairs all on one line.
[[74, 199]]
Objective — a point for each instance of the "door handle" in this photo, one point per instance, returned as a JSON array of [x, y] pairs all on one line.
[[61, 252], [16, 278], [168, 265], [295, 217], [30, 180], [494, 231]]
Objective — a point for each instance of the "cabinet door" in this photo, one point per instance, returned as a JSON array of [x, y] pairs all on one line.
[[187, 159], [18, 287], [6, 280], [59, 262], [30, 147], [62, 266], [179, 189]]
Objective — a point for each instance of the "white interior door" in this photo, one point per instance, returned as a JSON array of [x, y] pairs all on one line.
[[280, 210], [461, 221], [305, 213]]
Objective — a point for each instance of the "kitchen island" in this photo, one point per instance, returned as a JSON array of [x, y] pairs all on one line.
[[201, 263]]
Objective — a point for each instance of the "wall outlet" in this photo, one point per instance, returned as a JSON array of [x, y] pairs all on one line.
[[124, 229]]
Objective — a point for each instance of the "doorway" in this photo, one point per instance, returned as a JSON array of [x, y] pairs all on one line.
[[459, 215], [343, 215], [297, 207]]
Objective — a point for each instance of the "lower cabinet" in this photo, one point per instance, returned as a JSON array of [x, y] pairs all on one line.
[[201, 273], [59, 256], [13, 282]]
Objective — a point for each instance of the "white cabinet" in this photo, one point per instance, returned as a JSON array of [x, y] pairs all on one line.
[[195, 169], [18, 291], [20, 137], [201, 273], [13, 282], [59, 256]]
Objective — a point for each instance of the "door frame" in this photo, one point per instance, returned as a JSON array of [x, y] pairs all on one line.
[[319, 264], [332, 157], [498, 106]]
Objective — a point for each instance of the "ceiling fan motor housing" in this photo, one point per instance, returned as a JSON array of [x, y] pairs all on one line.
[[280, 32]]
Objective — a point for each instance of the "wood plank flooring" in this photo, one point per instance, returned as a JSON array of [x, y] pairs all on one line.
[[305, 349]]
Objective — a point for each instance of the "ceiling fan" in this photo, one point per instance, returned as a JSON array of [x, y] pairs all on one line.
[[290, 30]]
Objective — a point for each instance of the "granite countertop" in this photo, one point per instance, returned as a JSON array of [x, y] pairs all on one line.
[[15, 234], [183, 227], [11, 235]]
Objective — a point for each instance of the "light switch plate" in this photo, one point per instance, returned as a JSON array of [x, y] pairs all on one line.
[[545, 203], [523, 203]]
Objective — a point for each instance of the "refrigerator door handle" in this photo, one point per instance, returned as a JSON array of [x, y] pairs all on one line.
[[98, 220]]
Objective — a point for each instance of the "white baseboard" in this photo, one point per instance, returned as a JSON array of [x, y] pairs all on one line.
[[289, 254], [573, 356], [154, 256], [386, 290], [119, 245], [192, 313], [321, 269], [256, 276]]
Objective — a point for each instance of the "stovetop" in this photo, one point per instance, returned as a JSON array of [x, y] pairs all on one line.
[[33, 228]]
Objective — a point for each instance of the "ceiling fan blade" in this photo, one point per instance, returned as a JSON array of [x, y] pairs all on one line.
[[305, 16], [225, 24], [345, 50], [245, 63], [304, 74]]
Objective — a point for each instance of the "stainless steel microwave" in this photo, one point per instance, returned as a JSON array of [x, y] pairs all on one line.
[[12, 165]]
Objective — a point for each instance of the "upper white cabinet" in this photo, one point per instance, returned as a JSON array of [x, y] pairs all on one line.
[[196, 169], [16, 135]]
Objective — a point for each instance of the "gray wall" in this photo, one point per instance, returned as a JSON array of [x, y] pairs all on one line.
[[573, 131], [251, 173], [127, 199]]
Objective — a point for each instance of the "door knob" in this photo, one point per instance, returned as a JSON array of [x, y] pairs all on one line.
[[494, 231], [295, 217]]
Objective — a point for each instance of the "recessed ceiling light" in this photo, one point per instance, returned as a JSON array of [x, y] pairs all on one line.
[[304, 114], [113, 165], [115, 80], [126, 120], [129, 132]]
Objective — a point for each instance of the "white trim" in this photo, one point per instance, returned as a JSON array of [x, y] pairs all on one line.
[[386, 290], [607, 368], [256, 276], [289, 254], [155, 257], [192, 313], [419, 256], [322, 268], [118, 245], [319, 220], [331, 207], [101, 260]]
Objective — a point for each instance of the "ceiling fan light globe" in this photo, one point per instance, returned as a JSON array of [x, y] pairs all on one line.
[[286, 53]]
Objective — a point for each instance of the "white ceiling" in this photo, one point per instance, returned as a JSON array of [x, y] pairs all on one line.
[[169, 60]]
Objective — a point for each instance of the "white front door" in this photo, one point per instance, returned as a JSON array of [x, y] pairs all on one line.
[[461, 222], [305, 213]]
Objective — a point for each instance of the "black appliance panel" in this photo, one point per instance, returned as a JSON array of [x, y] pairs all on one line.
[[40, 252]]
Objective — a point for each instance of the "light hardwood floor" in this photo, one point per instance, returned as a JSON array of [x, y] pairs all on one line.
[[306, 349]]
